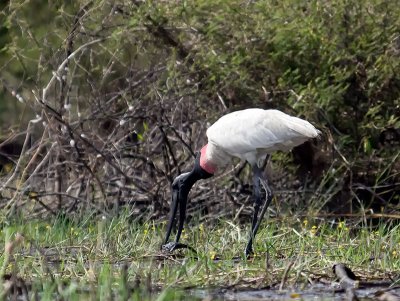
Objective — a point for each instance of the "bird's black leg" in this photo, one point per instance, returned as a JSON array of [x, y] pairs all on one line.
[[257, 203], [257, 218]]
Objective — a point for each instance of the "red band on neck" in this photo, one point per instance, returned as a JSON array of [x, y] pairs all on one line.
[[204, 163]]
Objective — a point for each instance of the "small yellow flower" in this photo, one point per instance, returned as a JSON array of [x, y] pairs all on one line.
[[201, 227], [313, 230], [48, 227], [213, 255], [395, 254], [341, 225], [305, 222], [145, 231]]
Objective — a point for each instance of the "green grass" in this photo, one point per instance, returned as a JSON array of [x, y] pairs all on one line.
[[113, 258]]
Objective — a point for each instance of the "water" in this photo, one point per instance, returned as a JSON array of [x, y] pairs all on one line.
[[315, 292]]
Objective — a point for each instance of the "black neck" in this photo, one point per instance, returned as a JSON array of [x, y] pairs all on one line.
[[186, 181], [180, 191]]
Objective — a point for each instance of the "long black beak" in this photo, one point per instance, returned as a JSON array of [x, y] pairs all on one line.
[[174, 209], [180, 191]]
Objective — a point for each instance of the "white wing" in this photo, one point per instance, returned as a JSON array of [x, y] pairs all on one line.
[[249, 133]]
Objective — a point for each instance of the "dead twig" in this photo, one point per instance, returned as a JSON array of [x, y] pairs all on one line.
[[285, 274]]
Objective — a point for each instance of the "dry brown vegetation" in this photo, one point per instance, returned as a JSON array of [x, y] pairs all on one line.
[[113, 99]]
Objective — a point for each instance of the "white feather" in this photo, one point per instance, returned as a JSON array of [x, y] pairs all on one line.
[[251, 134]]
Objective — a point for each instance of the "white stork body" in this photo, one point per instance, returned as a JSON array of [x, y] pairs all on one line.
[[252, 134], [249, 135]]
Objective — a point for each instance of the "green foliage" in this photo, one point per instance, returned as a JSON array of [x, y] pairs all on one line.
[[339, 57]]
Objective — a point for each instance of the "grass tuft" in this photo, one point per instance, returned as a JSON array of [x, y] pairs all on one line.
[[110, 257]]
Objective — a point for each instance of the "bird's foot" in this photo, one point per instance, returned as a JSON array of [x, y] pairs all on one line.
[[249, 253], [172, 246]]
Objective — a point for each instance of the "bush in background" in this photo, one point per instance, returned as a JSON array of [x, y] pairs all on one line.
[[111, 100]]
